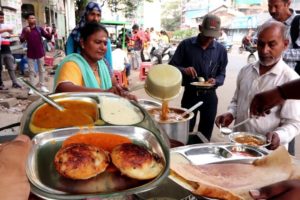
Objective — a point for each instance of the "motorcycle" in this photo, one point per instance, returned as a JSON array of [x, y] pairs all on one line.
[[162, 54], [227, 45], [251, 49]]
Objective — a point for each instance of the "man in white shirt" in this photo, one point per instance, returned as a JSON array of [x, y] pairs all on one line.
[[6, 56], [120, 60], [283, 123]]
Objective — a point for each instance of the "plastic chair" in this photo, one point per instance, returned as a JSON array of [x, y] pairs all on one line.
[[121, 77], [48, 61], [145, 66]]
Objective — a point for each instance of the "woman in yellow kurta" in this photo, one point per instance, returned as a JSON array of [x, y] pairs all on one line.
[[88, 71]]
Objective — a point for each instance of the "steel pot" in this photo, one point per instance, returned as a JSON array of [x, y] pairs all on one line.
[[177, 130]]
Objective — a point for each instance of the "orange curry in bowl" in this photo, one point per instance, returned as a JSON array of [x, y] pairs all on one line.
[[249, 140], [76, 113]]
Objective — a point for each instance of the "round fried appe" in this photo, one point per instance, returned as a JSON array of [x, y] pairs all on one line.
[[80, 161], [136, 162]]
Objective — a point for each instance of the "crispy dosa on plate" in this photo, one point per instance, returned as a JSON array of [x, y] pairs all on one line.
[[232, 181]]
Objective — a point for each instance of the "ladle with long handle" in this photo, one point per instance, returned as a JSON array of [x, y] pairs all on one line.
[[191, 109], [227, 131], [45, 98]]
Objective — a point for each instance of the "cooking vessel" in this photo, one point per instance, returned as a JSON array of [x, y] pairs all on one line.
[[163, 82], [177, 129]]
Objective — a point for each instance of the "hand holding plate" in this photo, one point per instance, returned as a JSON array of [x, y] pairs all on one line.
[[224, 119], [273, 138]]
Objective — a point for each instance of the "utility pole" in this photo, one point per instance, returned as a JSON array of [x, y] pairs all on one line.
[[207, 6]]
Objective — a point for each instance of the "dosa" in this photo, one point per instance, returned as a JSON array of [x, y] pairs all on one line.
[[232, 181]]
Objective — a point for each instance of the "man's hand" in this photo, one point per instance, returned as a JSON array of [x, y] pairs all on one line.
[[13, 155], [190, 71], [285, 190], [224, 119], [274, 139], [263, 102], [212, 81], [27, 29]]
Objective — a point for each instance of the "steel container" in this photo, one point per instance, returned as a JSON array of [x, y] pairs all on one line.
[[177, 130]]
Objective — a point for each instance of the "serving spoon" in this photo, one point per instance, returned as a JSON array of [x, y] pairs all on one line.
[[45, 98], [191, 109], [227, 131]]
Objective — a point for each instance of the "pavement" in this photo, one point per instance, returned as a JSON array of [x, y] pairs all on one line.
[[225, 93]]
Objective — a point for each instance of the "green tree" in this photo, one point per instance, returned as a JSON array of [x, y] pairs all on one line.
[[171, 17], [79, 8], [128, 7]]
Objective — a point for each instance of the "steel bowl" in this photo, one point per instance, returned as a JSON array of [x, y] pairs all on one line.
[[234, 137], [148, 104]]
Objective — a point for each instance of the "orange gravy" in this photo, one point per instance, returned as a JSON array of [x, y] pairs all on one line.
[[76, 113], [105, 141], [249, 140], [173, 115], [164, 110]]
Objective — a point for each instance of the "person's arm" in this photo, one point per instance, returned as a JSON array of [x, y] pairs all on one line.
[[221, 70], [9, 30], [178, 57], [13, 156], [232, 108], [289, 125], [45, 34], [284, 190], [263, 102], [69, 79], [24, 34]]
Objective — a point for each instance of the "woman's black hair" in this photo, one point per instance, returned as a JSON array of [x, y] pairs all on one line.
[[91, 28]]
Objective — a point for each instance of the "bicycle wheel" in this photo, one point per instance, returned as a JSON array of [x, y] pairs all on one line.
[[251, 58]]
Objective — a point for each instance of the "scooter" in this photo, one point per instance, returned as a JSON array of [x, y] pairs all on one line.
[[251, 49], [227, 45], [162, 54]]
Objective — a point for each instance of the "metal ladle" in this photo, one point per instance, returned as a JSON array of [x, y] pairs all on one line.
[[227, 131], [45, 98], [190, 110]]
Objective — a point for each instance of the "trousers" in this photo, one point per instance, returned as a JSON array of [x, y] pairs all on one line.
[[41, 68], [207, 110]]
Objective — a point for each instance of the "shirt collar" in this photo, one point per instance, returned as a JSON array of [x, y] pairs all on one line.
[[290, 19], [276, 69]]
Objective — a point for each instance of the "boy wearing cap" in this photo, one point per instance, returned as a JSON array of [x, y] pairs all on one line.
[[202, 56]]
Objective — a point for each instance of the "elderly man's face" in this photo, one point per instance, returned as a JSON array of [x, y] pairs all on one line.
[[279, 9], [270, 45]]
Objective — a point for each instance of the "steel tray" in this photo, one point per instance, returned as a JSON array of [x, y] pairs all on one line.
[[146, 122], [200, 154], [47, 183]]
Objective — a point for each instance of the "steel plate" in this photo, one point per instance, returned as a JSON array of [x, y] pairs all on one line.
[[47, 183], [208, 153], [261, 137]]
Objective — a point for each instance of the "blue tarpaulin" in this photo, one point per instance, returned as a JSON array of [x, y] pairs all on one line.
[[244, 22], [248, 2]]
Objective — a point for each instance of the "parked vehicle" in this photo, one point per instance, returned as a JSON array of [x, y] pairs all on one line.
[[227, 45], [251, 49], [162, 54]]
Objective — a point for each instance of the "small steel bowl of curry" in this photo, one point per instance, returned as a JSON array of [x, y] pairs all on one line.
[[251, 139], [79, 111]]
